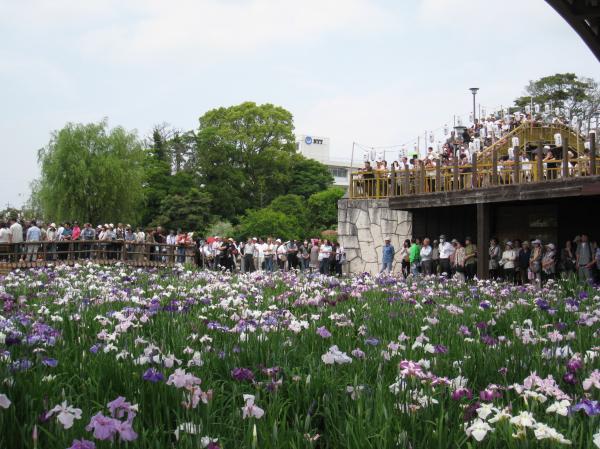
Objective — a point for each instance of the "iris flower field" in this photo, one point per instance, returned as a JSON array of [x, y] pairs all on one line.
[[120, 357]]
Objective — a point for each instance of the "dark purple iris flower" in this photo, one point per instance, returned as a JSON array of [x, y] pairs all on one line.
[[570, 378], [82, 444], [153, 375], [441, 349], [242, 374], [574, 365], [591, 408]]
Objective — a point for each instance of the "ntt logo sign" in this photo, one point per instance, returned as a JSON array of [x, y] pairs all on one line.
[[309, 141]]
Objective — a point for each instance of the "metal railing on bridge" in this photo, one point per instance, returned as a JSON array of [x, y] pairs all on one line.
[[424, 179], [40, 254]]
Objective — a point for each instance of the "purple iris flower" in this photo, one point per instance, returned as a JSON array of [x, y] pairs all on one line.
[[441, 349], [574, 365], [82, 444], [591, 408], [52, 363], [323, 332], [372, 341], [242, 374], [153, 375], [570, 378]]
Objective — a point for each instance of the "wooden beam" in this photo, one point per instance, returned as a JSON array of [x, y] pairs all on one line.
[[483, 238], [565, 157]]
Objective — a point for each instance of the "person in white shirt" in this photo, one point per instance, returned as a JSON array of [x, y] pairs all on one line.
[[34, 234], [426, 260], [259, 249], [4, 241], [509, 257], [281, 254], [269, 253], [324, 253], [16, 236], [446, 252]]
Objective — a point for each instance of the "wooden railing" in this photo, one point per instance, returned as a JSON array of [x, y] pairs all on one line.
[[38, 254], [537, 134], [477, 174]]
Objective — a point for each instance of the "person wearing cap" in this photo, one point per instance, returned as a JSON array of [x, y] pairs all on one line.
[[446, 251], [549, 262], [281, 252], [508, 262], [470, 259], [387, 256], [535, 262]]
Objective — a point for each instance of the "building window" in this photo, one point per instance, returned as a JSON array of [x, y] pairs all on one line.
[[338, 172]]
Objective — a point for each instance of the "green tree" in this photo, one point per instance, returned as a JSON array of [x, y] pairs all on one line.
[[322, 208], [579, 97], [267, 222], [91, 173], [190, 212], [292, 206], [244, 156], [308, 176]]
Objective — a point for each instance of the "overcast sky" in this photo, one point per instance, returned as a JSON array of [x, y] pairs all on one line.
[[370, 71]]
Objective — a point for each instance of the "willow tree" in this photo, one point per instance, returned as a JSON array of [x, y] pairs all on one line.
[[91, 173]]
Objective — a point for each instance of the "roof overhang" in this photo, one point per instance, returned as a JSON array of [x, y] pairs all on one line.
[[584, 18]]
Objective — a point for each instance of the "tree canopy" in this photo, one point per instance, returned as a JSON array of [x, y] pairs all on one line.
[[92, 173], [577, 96], [244, 156]]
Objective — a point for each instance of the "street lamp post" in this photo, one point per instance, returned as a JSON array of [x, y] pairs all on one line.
[[474, 92]]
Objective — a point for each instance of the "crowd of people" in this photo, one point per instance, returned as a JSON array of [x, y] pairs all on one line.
[[516, 261], [374, 177], [271, 254], [21, 241]]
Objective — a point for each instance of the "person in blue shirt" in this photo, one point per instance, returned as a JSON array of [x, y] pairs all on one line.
[[388, 256]]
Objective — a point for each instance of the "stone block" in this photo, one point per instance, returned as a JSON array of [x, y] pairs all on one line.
[[349, 241], [364, 236], [362, 220]]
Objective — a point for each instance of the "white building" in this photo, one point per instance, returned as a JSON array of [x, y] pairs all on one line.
[[317, 148]]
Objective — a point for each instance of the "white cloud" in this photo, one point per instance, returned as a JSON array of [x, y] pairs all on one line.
[[206, 28]]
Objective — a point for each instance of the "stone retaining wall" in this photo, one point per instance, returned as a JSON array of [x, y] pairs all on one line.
[[362, 228]]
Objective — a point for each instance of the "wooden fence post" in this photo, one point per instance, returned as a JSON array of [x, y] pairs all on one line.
[[517, 166], [393, 182], [592, 153], [474, 174], [540, 164], [455, 178], [565, 157], [406, 180], [438, 175], [494, 167]]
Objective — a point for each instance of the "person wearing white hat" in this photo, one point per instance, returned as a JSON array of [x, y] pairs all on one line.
[[387, 256], [535, 262], [549, 261]]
